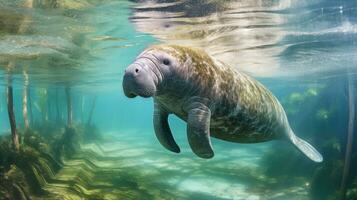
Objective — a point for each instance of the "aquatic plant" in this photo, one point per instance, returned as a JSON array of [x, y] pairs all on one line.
[[27, 167], [13, 184], [295, 100], [324, 122], [27, 172]]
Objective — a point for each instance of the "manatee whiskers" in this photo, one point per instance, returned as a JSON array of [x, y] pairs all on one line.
[[214, 99]]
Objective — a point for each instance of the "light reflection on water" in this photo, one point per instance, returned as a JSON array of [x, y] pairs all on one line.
[[55, 43], [68, 44], [262, 38]]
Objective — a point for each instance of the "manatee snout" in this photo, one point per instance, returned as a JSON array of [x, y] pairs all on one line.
[[138, 81], [128, 85]]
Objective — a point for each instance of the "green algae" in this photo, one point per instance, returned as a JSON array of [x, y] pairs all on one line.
[[61, 169], [294, 101], [323, 114], [32, 167], [318, 117]]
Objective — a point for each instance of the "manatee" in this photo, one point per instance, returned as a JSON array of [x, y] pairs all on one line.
[[214, 99]]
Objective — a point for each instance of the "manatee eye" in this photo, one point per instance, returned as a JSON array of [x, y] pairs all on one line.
[[136, 70], [166, 62]]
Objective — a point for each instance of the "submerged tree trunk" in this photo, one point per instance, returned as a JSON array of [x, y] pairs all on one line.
[[69, 106], [30, 106], [58, 118], [49, 113], [43, 105], [351, 120], [10, 109], [91, 111], [24, 101], [82, 108]]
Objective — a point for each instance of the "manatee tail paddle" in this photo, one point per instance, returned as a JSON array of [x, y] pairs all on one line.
[[306, 148]]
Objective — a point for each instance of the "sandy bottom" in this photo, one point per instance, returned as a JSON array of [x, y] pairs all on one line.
[[129, 166]]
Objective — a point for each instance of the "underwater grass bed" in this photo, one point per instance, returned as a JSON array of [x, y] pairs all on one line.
[[25, 172]]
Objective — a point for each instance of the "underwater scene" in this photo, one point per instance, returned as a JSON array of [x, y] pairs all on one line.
[[186, 99]]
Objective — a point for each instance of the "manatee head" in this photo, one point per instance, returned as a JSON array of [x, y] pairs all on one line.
[[145, 77]]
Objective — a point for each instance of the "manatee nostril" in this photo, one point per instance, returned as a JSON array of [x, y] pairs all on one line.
[[132, 95], [166, 62], [136, 70]]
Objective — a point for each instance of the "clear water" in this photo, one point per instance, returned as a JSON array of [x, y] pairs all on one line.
[[303, 51]]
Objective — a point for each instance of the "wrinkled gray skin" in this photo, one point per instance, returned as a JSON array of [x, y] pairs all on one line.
[[214, 99]]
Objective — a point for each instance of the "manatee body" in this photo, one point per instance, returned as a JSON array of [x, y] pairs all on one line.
[[214, 99]]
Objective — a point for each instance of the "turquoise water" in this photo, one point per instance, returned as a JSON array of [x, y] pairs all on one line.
[[303, 51]]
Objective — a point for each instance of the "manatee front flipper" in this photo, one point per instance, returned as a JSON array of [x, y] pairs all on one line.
[[305, 147], [198, 134], [162, 129]]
